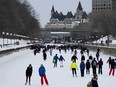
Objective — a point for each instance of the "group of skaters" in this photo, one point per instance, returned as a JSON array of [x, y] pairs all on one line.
[[93, 63], [41, 72]]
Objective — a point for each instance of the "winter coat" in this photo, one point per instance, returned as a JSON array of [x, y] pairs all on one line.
[[94, 63], [82, 65], [100, 63], [83, 57], [73, 65], [94, 83], [88, 65], [109, 61], [74, 58], [42, 70], [90, 57], [112, 63], [29, 71], [61, 58], [55, 58]]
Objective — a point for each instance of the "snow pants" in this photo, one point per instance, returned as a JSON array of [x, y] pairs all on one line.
[[100, 70], [112, 70], [94, 70], [87, 70], [74, 72], [28, 77], [82, 72], [43, 77]]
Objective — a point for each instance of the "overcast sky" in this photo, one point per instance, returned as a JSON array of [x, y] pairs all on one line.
[[43, 7]]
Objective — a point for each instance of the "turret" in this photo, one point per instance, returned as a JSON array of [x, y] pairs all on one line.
[[52, 12], [79, 8]]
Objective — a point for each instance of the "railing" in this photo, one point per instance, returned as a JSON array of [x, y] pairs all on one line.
[[12, 50]]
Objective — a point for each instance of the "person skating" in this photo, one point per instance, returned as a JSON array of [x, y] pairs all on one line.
[[82, 68], [112, 68], [28, 73], [61, 59], [74, 67], [42, 74], [44, 56], [100, 64], [109, 61], [88, 67], [55, 60], [97, 55], [94, 66]]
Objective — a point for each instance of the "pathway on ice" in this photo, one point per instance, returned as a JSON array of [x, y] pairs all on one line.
[[12, 71]]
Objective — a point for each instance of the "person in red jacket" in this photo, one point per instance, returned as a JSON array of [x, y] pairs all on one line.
[[28, 72]]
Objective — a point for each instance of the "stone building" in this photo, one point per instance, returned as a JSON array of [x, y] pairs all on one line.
[[59, 20]]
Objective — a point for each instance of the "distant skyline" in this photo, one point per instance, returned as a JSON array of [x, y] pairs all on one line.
[[43, 7]]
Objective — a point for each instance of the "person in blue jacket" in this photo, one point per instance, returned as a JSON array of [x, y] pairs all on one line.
[[42, 74], [55, 60], [82, 68]]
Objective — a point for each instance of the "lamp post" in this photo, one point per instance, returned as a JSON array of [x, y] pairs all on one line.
[[7, 37], [11, 38], [14, 38], [3, 33]]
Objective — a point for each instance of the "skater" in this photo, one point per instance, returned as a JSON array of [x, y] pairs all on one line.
[[109, 61], [82, 68], [73, 67], [61, 59], [97, 55], [112, 68], [87, 52], [88, 67], [34, 52], [28, 72], [94, 66], [55, 60], [42, 74], [94, 81], [100, 64], [44, 56]]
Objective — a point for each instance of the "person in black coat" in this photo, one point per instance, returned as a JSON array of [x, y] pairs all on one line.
[[88, 67], [82, 58], [97, 55], [109, 61], [112, 68], [28, 73], [94, 81], [44, 55], [74, 58], [61, 59]]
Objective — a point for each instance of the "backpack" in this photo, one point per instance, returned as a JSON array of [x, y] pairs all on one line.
[[89, 84]]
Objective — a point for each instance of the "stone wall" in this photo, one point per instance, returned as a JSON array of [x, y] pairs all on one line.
[[105, 50]]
